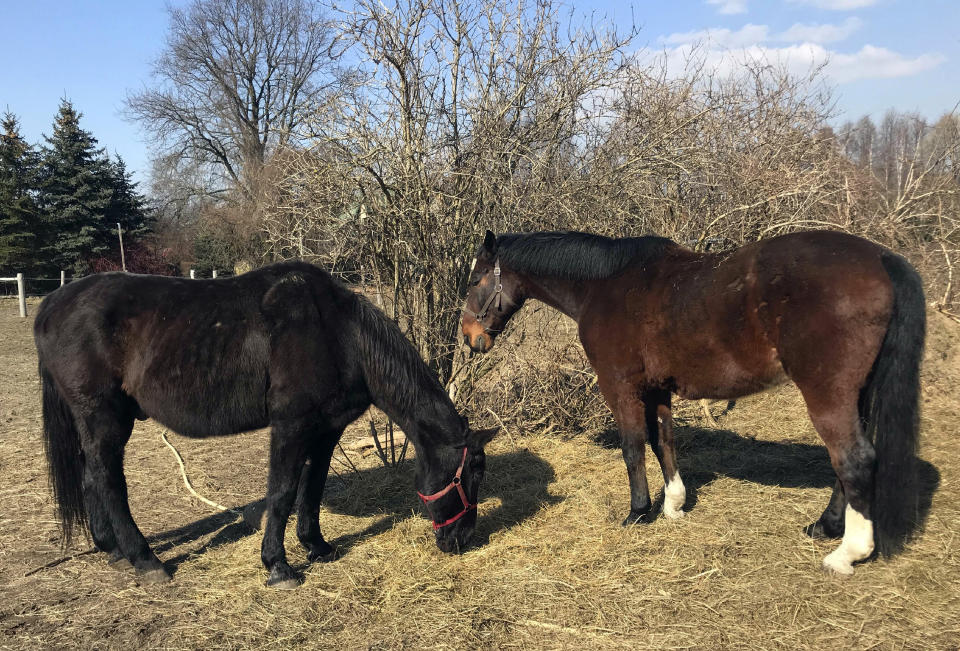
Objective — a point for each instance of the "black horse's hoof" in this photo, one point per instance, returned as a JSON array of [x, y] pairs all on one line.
[[636, 517], [324, 553], [282, 577], [153, 576], [119, 562], [821, 531]]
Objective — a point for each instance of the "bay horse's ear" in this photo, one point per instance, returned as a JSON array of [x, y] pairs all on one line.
[[478, 438], [490, 242], [289, 300]]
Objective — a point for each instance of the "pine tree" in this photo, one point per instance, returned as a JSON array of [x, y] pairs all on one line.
[[19, 214], [77, 191], [127, 206]]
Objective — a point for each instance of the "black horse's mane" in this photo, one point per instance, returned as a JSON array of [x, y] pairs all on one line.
[[574, 255], [395, 373]]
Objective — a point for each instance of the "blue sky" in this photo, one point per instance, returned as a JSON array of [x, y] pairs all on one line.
[[882, 53]]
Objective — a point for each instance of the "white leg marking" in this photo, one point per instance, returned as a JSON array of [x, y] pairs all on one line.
[[674, 495], [857, 543]]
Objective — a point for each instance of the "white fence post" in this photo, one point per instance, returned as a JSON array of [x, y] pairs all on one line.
[[23, 295], [192, 274], [214, 273], [63, 277]]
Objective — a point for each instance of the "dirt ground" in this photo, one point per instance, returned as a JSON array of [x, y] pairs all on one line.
[[551, 567]]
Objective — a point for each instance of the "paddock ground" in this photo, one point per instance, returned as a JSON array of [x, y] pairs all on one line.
[[552, 567]]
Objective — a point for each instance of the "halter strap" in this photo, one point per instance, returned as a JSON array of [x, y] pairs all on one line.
[[467, 506], [496, 293]]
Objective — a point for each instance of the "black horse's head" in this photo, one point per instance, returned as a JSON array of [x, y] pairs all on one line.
[[493, 295], [448, 481]]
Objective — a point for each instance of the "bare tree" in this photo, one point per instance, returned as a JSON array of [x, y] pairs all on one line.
[[235, 80]]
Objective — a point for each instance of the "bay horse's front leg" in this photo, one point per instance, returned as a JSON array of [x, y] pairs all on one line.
[[659, 420], [288, 452], [628, 411]]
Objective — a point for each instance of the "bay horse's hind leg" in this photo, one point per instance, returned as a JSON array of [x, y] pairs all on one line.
[[312, 481], [830, 523], [103, 435], [837, 420], [659, 419]]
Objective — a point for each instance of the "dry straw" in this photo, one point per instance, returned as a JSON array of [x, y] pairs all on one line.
[[552, 568]]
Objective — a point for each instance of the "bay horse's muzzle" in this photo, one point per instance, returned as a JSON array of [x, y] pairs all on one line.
[[475, 336]]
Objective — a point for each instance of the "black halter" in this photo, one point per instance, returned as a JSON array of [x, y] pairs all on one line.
[[496, 294]]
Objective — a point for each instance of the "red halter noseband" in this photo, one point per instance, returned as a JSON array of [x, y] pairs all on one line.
[[467, 506]]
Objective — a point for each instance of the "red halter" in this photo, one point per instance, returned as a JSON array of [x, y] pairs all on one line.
[[467, 506]]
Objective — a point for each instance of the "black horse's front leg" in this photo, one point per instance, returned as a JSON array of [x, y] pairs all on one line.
[[312, 481], [288, 452]]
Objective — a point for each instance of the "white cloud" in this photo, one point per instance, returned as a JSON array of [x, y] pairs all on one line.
[[721, 37], [870, 62], [730, 6], [873, 62], [836, 5], [827, 33]]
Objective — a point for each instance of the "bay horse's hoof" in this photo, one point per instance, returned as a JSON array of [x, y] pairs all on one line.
[[674, 514], [154, 576], [283, 579], [818, 530], [636, 517], [838, 567]]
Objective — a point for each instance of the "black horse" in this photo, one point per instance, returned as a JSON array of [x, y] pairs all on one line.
[[286, 346]]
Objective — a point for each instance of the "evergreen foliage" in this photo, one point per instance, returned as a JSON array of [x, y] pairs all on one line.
[[19, 214]]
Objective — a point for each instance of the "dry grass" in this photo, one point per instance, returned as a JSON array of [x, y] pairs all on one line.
[[553, 568]]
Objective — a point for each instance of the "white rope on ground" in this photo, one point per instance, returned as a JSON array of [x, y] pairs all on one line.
[[183, 473]]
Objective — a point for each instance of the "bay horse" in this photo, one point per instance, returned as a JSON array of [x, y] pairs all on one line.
[[285, 345], [841, 317]]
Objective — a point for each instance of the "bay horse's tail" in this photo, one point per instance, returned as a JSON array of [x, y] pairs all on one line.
[[61, 441], [889, 406]]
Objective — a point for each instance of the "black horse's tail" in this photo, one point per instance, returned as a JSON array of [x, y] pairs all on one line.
[[891, 411], [61, 441]]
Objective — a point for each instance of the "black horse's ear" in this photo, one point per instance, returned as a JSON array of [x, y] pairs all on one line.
[[490, 242], [478, 438]]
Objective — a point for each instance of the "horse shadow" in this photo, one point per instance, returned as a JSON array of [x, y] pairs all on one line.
[[519, 479], [707, 454]]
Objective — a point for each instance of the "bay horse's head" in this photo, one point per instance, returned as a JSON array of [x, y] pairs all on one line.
[[493, 295], [449, 485]]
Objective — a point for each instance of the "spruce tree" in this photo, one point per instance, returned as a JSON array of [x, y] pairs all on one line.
[[19, 214], [127, 206], [77, 191]]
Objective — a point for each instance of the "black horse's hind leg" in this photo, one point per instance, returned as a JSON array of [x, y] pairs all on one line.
[[103, 436], [99, 522], [310, 492], [288, 452], [830, 524]]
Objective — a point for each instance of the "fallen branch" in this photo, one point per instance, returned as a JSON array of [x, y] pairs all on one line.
[[62, 559], [186, 481]]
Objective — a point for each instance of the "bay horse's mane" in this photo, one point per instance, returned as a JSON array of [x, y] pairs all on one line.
[[574, 255]]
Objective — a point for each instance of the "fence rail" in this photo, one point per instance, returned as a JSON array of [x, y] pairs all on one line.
[[23, 286]]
